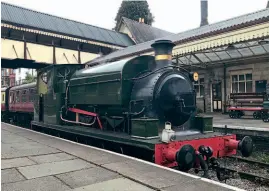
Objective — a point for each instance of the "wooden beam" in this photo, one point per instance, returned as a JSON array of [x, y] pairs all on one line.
[[24, 47], [54, 53], [79, 58]]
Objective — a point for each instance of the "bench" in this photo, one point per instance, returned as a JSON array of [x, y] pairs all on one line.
[[240, 102]]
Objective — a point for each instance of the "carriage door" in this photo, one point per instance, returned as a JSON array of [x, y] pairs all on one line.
[[41, 107], [217, 97]]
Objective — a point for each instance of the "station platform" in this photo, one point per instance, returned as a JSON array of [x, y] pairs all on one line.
[[32, 161], [244, 126]]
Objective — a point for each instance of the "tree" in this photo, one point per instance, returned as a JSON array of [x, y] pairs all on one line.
[[29, 78], [134, 10]]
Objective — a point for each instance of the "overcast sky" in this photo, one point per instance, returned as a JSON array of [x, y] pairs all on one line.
[[171, 15]]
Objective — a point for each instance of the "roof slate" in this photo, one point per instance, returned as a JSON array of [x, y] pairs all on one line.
[[207, 30], [142, 32], [32, 19]]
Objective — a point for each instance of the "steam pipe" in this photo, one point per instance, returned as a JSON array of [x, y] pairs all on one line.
[[203, 164]]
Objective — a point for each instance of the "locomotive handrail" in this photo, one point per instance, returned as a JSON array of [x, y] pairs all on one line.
[[105, 81], [157, 71]]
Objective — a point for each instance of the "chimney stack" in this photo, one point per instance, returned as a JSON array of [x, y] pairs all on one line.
[[204, 13], [163, 52], [267, 4], [141, 20]]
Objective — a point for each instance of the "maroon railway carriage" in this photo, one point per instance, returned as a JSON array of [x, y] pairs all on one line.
[[3, 99], [20, 102]]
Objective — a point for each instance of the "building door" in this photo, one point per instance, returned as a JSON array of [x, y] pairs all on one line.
[[260, 86], [217, 97]]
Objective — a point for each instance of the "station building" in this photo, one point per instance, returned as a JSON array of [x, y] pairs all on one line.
[[230, 56]]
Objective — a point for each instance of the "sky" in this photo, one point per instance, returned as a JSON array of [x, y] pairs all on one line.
[[170, 15]]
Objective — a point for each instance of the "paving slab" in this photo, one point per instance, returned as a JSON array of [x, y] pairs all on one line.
[[15, 153], [120, 184], [51, 158], [53, 168], [29, 145], [85, 153], [13, 139], [63, 165], [6, 146], [10, 175], [16, 162], [87, 176], [148, 174], [48, 183]]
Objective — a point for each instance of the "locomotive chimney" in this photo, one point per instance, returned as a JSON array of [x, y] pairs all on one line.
[[267, 4], [204, 13], [163, 52]]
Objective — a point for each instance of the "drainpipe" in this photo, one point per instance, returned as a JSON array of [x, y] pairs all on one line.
[[225, 86]]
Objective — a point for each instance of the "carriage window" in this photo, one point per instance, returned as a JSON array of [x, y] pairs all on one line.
[[32, 93], [24, 96], [17, 99], [10, 97], [3, 97]]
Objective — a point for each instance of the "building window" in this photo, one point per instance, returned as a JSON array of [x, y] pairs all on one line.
[[199, 87], [242, 83]]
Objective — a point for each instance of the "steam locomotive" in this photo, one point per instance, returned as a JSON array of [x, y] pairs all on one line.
[[144, 105]]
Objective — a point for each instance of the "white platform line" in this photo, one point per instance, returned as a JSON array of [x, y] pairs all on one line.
[[136, 159], [243, 128]]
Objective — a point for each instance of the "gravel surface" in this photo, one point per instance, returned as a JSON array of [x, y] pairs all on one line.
[[236, 180]]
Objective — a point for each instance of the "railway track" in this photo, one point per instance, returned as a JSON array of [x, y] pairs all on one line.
[[252, 170], [261, 164]]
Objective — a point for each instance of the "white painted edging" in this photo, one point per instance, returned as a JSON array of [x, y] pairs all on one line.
[[242, 128], [135, 159]]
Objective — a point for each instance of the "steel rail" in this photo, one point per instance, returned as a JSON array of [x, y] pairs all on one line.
[[249, 176], [262, 164]]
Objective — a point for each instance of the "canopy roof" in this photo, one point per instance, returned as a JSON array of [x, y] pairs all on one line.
[[232, 52]]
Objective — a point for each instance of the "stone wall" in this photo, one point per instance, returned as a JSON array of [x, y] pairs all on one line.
[[260, 71]]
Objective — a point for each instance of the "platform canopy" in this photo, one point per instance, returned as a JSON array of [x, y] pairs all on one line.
[[21, 63], [226, 54]]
